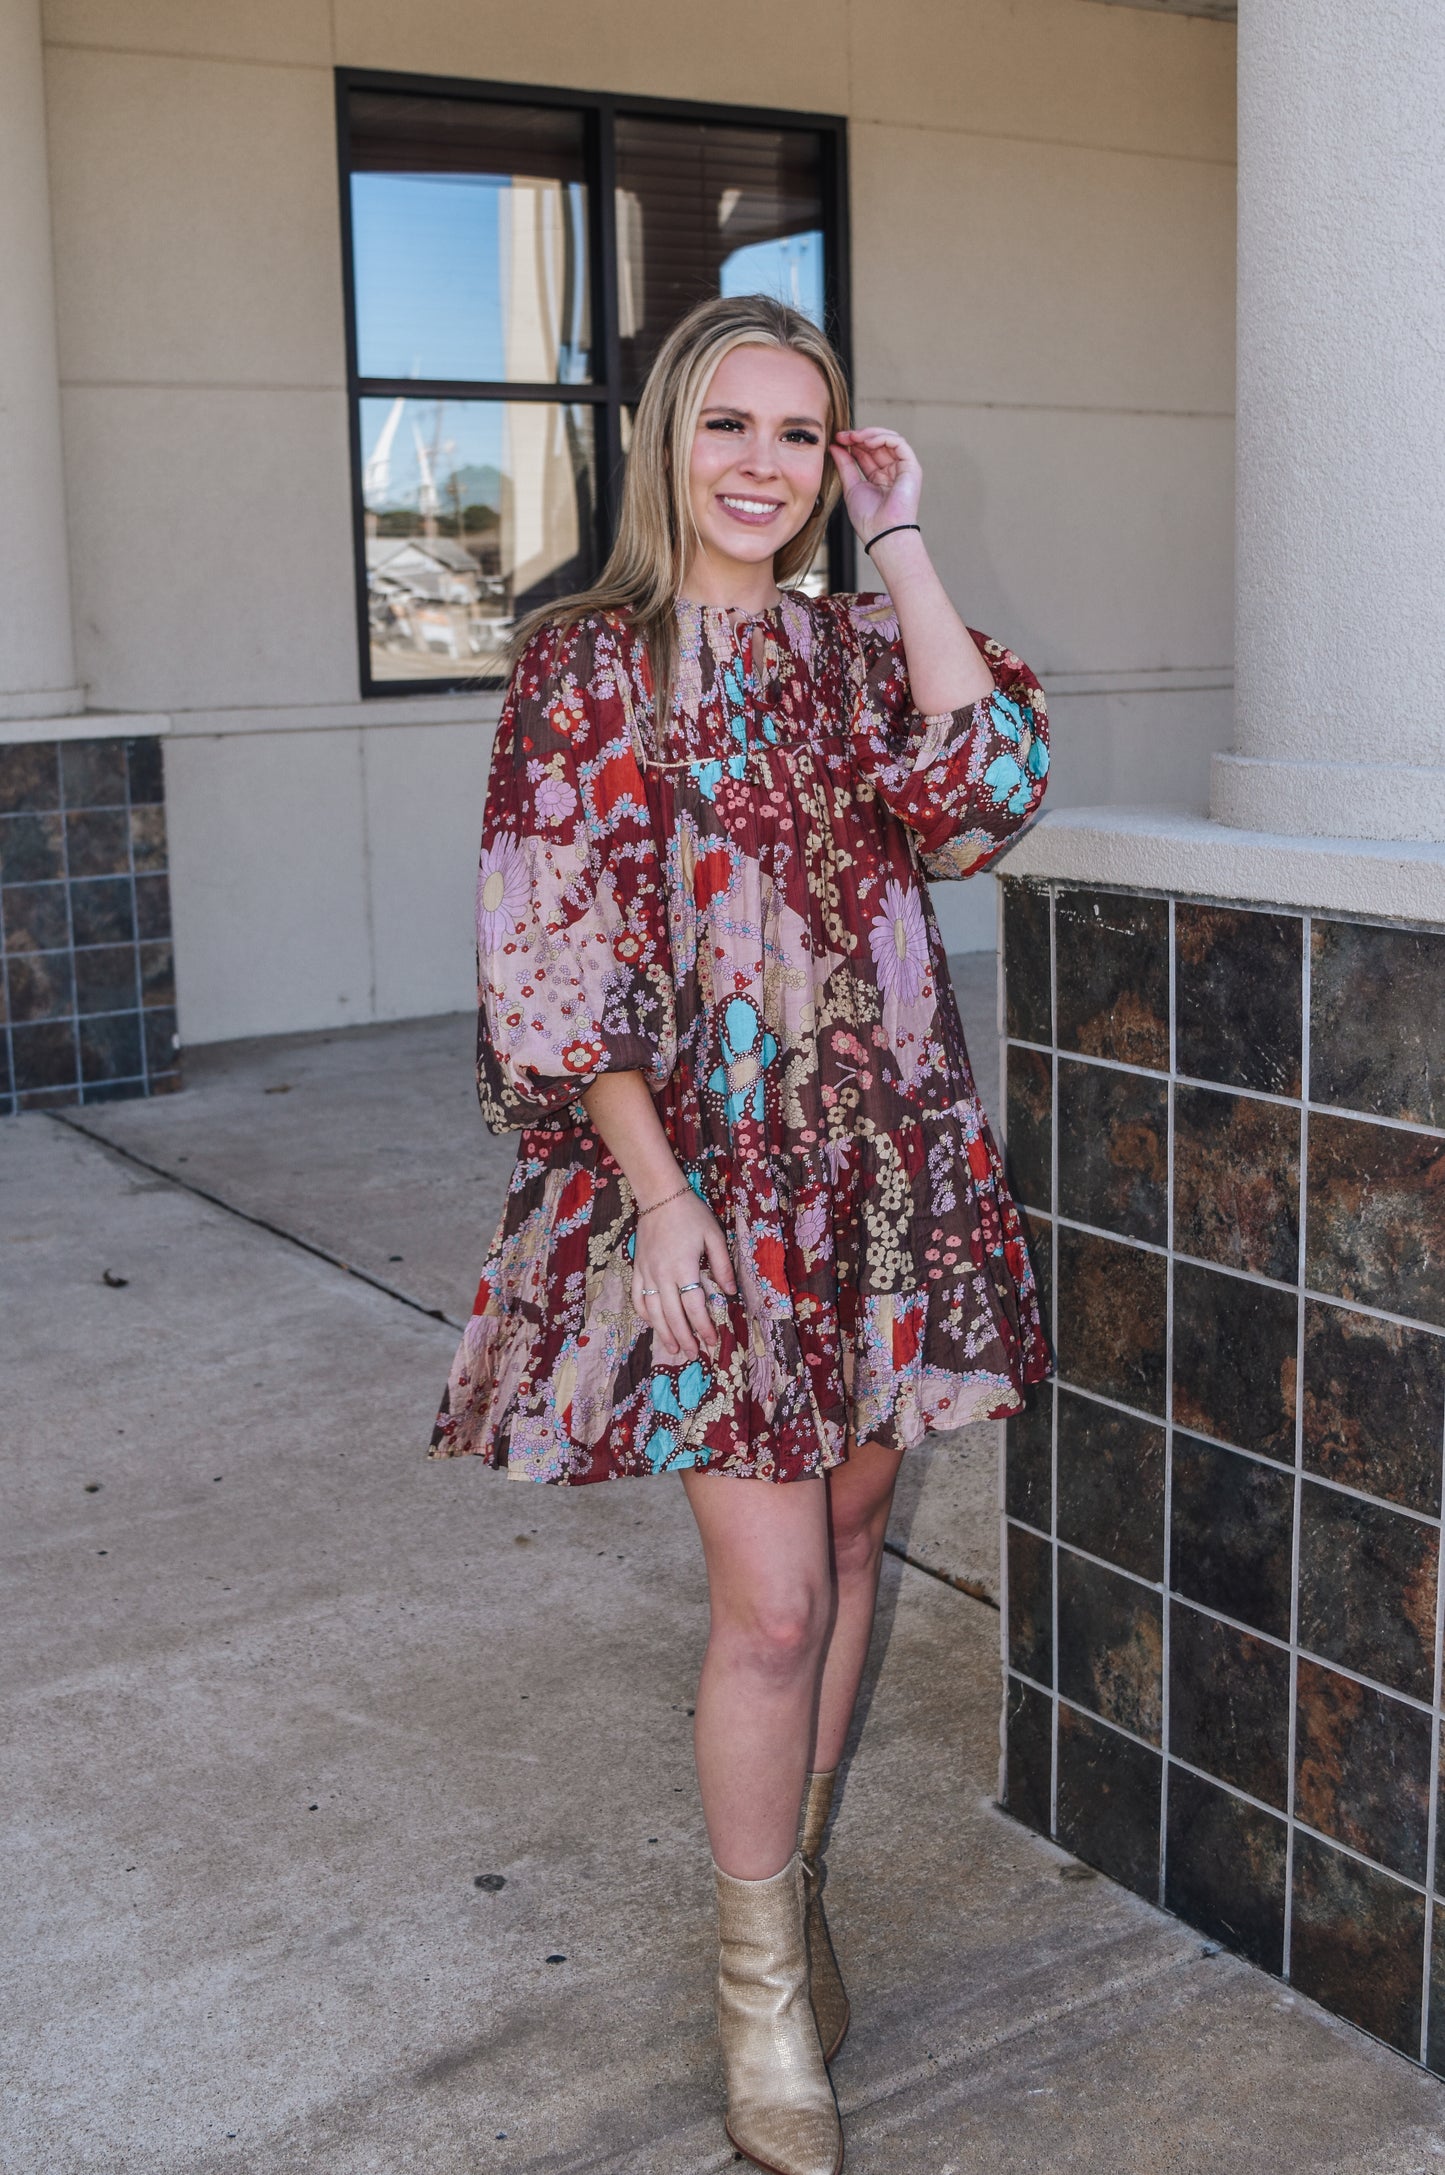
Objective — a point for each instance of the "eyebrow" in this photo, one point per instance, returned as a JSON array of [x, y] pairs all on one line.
[[745, 415]]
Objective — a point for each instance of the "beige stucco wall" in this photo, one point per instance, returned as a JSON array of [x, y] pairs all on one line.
[[1042, 207]]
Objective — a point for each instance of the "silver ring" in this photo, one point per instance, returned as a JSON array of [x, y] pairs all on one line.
[[649, 1291], [689, 1287]]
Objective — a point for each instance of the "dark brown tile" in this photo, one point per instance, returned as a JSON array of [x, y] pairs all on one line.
[[153, 906], [111, 1091], [1236, 1181], [1028, 1760], [1030, 1126], [110, 1047], [1358, 1943], [1233, 1535], [1229, 1704], [103, 910], [1235, 1360], [1362, 1769], [164, 1083], [1111, 1645], [157, 975], [1027, 1003], [1435, 2048], [105, 979], [42, 986], [35, 918], [1375, 1226], [1111, 1485], [1374, 1405], [29, 777], [32, 849], [162, 1051], [47, 1098], [147, 775], [148, 839], [1367, 1589], [1112, 964], [1238, 986], [1109, 1802], [93, 773], [1111, 1319], [1114, 1150], [45, 1056], [1030, 1605], [1377, 998], [98, 842], [1224, 1869], [1029, 1460]]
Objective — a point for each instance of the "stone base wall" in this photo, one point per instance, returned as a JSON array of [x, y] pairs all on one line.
[[1223, 1598], [89, 1001]]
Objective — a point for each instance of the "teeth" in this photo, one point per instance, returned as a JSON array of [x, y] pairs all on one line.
[[752, 505]]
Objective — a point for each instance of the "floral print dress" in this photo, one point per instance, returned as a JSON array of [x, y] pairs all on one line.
[[734, 903]]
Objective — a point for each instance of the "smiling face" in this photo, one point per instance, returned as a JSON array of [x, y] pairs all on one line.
[[757, 457]]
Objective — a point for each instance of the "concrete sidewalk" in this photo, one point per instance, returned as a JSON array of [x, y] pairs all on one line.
[[280, 1690]]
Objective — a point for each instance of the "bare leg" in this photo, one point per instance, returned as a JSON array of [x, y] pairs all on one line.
[[769, 1586], [860, 1495]]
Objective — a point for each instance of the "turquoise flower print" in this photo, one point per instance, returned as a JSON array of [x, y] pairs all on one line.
[[707, 775], [675, 1402], [735, 691], [741, 1078], [1013, 774]]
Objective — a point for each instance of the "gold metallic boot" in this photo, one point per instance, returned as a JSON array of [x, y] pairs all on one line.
[[781, 2111], [830, 2002]]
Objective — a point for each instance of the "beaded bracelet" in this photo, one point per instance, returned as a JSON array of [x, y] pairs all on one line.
[[868, 547], [665, 1199]]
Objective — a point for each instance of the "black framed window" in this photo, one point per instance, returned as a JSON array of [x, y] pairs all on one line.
[[513, 259]]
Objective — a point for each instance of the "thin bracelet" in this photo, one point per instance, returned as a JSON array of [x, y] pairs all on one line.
[[868, 548], [665, 1199]]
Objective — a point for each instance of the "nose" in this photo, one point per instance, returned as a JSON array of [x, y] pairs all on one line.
[[758, 459]]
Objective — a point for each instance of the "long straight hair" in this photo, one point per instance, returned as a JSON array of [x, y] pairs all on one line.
[[656, 533]]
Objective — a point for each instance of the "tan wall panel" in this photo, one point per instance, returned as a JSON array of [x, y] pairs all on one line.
[[1093, 543], [1048, 70], [195, 213], [1024, 272], [275, 30], [210, 537], [1139, 751], [425, 788], [750, 55], [268, 877]]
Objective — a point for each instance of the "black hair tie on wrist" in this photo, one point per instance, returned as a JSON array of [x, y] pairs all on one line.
[[868, 548]]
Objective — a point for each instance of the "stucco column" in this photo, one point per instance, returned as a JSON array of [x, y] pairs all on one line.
[[1340, 579], [37, 657]]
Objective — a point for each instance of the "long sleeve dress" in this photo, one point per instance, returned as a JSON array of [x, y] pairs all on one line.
[[734, 904]]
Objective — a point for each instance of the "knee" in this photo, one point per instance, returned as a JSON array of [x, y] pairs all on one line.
[[858, 1543], [779, 1636]]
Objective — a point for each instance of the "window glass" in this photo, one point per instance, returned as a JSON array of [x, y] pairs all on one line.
[[475, 511], [705, 208], [469, 237]]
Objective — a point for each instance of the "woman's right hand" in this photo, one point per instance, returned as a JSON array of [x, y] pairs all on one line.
[[680, 1243]]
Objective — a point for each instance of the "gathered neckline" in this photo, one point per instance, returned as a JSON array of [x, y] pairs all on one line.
[[765, 613]]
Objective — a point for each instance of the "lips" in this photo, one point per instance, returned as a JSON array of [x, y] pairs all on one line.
[[755, 512]]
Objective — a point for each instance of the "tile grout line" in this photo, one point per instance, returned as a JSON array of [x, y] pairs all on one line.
[[1432, 1833], [140, 1020], [1053, 1347], [1292, 1718], [1166, 1567]]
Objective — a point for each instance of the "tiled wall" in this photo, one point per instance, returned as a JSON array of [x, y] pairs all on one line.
[[85, 924], [1223, 1607]]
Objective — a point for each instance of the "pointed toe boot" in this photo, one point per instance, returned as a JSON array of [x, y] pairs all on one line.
[[830, 2001], [781, 2112]]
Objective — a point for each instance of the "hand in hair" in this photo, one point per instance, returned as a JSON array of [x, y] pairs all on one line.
[[881, 478]]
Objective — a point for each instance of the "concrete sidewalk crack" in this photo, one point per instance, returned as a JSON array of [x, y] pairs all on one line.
[[259, 1223]]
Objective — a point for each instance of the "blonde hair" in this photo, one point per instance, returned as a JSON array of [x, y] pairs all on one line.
[[656, 533]]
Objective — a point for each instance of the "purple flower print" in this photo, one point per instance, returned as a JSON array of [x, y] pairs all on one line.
[[898, 940], [502, 890]]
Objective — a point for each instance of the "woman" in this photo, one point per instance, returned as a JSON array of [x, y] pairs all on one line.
[[758, 1232]]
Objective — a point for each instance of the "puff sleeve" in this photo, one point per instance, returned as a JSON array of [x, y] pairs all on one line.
[[574, 975], [966, 782]]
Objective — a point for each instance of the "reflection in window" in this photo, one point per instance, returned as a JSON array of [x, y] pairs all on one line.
[[469, 241], [475, 511], [707, 208]]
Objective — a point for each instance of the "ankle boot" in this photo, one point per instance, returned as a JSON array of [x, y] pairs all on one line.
[[781, 2112], [830, 2002]]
